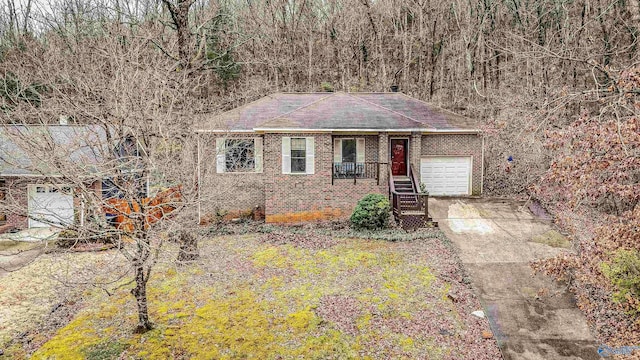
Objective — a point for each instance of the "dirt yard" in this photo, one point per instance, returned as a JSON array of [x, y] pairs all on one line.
[[281, 294]]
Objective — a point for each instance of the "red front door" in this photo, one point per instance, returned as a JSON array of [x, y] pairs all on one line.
[[399, 157]]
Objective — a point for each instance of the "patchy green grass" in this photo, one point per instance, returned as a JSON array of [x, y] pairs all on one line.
[[12, 246], [37, 288], [553, 239], [285, 295]]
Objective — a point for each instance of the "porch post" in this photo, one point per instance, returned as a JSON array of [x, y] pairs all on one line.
[[415, 152], [383, 158]]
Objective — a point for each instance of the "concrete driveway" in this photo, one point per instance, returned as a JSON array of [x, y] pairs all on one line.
[[532, 317]]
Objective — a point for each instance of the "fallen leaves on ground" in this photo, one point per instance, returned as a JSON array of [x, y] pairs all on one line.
[[291, 296]]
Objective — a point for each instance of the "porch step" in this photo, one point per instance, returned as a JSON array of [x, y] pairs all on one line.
[[409, 208], [403, 186]]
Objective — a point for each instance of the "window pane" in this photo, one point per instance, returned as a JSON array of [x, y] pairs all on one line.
[[298, 153], [349, 150], [298, 165], [298, 144], [240, 155]]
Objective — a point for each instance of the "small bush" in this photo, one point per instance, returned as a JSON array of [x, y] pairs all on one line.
[[67, 238], [371, 212], [624, 274], [326, 87]]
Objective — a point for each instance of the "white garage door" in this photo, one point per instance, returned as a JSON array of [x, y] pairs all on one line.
[[50, 205], [446, 175]]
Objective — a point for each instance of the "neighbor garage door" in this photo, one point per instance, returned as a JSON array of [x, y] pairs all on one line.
[[446, 175], [50, 205]]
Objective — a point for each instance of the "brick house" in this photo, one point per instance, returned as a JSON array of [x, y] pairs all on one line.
[[302, 156], [31, 192]]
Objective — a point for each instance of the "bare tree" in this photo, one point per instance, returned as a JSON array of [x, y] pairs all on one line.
[[126, 132]]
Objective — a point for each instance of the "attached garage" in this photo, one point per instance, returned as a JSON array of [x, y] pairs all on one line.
[[50, 205], [446, 175]]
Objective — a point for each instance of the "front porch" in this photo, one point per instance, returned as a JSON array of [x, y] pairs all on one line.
[[383, 160]]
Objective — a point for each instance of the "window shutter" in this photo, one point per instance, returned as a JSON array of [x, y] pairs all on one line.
[[337, 150], [286, 155], [257, 143], [221, 162], [360, 145], [311, 156]]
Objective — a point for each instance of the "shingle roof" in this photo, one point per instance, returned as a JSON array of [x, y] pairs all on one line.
[[339, 111], [29, 150]]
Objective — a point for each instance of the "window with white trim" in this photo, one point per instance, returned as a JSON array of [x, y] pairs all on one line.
[[348, 150], [298, 155], [238, 155]]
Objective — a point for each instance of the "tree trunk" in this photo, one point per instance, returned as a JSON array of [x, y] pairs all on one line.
[[140, 293]]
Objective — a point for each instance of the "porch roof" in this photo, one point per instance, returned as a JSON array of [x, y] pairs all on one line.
[[338, 111]]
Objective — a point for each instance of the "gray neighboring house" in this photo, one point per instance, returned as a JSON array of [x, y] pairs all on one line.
[[31, 193]]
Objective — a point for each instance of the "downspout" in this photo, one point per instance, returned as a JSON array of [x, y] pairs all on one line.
[[482, 169], [198, 177]]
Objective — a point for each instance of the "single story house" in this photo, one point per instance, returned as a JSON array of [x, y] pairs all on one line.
[[304, 156]]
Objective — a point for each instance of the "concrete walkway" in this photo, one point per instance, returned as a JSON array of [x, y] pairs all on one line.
[[21, 248], [532, 317]]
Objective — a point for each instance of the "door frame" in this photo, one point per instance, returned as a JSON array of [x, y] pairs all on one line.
[[406, 153]]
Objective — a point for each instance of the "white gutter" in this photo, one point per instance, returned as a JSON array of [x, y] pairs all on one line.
[[223, 131], [453, 131]]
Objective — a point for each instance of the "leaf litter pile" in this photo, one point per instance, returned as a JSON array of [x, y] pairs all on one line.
[[291, 294]]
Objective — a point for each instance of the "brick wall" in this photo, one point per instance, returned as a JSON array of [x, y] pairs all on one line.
[[346, 194], [227, 191], [15, 203], [292, 193], [457, 144], [314, 196]]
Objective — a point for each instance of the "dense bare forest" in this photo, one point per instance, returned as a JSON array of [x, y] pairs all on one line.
[[555, 85]]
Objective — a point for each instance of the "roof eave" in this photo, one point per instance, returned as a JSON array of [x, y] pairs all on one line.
[[453, 131], [312, 130]]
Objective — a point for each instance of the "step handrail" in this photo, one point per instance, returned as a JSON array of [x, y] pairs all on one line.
[[392, 186], [414, 179]]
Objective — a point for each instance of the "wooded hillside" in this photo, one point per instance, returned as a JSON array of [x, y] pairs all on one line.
[[554, 83]]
